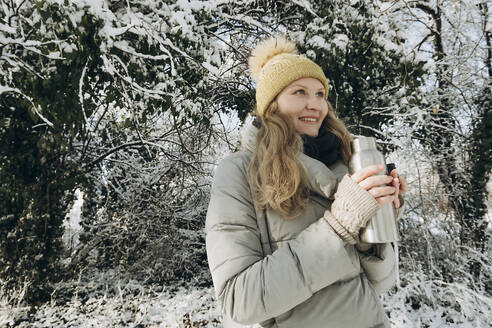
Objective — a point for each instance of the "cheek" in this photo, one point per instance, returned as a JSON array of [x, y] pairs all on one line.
[[289, 107], [325, 112]]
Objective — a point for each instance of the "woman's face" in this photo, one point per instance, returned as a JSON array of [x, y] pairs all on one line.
[[303, 101]]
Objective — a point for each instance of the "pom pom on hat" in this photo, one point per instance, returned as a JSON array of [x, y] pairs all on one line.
[[266, 50], [274, 63]]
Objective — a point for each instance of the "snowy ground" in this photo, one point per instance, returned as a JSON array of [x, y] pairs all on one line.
[[101, 299]]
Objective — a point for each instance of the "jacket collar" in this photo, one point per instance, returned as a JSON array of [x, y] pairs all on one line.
[[322, 179]]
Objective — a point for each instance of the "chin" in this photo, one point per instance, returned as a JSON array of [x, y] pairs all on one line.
[[311, 131], [312, 134]]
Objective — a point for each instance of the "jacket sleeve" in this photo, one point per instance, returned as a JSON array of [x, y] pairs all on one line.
[[380, 268], [250, 287]]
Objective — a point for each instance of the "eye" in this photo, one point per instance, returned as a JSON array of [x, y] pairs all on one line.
[[299, 92], [320, 94]]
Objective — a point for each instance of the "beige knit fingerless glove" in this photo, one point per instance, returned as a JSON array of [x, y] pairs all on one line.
[[352, 209]]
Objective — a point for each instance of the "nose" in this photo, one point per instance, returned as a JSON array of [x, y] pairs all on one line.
[[313, 103]]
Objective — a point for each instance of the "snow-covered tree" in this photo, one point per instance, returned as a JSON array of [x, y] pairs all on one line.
[[66, 69], [454, 38]]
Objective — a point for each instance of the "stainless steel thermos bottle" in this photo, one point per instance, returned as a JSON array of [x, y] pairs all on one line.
[[382, 227]]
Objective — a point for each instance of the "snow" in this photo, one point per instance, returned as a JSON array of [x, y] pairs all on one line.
[[7, 29], [104, 299], [71, 225], [6, 89], [317, 41], [465, 309], [212, 69], [341, 41]]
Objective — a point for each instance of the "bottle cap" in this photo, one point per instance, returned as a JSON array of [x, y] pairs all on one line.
[[390, 167]]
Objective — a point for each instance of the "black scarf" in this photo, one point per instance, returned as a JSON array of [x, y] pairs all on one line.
[[326, 147]]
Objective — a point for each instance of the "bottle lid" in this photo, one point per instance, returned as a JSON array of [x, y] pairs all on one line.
[[360, 143], [390, 167]]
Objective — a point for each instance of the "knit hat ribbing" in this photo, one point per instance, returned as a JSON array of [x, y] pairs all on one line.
[[274, 63]]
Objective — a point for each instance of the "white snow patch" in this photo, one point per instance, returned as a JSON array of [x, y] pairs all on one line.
[[71, 224]]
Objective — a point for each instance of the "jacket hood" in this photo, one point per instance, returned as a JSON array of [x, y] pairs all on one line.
[[322, 179]]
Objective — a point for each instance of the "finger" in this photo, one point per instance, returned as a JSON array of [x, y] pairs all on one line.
[[396, 184], [375, 181], [403, 185], [367, 172], [385, 200], [394, 173], [382, 191]]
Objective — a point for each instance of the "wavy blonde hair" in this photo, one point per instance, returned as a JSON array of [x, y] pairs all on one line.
[[279, 179]]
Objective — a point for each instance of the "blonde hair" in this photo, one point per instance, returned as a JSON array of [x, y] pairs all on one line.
[[279, 179], [333, 124]]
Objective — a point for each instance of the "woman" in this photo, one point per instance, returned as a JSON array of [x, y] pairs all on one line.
[[284, 216]]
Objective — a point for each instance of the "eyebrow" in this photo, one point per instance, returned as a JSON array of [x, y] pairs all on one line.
[[305, 87]]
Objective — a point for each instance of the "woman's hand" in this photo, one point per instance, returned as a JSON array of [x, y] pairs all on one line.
[[400, 185], [377, 185]]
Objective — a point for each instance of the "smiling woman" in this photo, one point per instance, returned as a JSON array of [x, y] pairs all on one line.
[[284, 217]]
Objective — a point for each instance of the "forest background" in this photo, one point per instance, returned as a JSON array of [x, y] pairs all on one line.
[[114, 114]]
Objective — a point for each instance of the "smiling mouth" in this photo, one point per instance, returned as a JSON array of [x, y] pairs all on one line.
[[308, 119]]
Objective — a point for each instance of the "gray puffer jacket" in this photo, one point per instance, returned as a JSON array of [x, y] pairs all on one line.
[[272, 272]]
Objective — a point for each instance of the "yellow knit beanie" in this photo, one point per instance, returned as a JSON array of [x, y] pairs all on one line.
[[274, 63]]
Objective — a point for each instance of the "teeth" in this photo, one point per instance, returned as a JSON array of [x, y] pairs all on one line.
[[308, 119]]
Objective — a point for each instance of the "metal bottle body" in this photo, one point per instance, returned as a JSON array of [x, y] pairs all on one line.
[[382, 228]]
